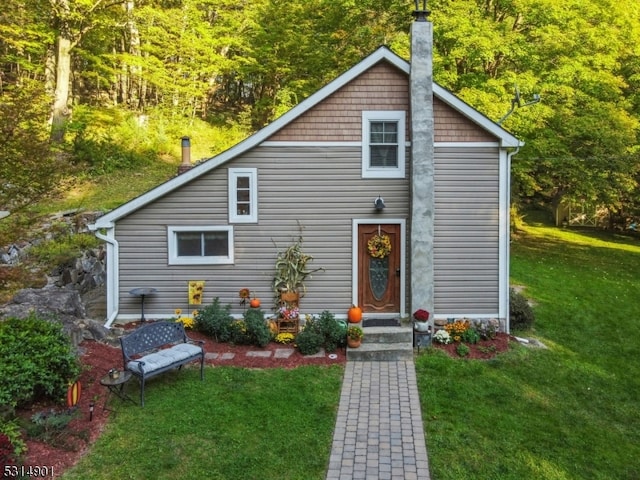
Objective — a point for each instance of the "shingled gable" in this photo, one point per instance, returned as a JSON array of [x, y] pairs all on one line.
[[504, 138]]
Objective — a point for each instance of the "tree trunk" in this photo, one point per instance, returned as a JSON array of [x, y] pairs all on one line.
[[60, 112]]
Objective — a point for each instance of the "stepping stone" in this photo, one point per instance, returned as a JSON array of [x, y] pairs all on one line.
[[258, 354], [283, 352]]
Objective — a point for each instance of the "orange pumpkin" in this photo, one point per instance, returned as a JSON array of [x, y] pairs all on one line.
[[255, 303], [354, 314]]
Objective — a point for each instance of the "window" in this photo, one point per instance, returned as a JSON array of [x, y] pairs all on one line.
[[200, 245], [383, 144], [243, 195]]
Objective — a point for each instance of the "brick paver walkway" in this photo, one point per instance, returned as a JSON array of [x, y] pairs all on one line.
[[379, 432]]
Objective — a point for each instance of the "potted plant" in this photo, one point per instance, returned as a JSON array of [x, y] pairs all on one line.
[[354, 336], [421, 320]]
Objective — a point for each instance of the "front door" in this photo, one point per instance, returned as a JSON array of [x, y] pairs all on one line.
[[379, 268]]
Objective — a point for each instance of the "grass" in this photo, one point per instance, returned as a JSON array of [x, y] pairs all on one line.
[[566, 412], [238, 424]]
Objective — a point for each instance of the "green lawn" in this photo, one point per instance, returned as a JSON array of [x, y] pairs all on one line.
[[239, 424], [566, 412]]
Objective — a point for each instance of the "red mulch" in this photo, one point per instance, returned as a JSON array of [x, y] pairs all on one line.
[[483, 350], [99, 358]]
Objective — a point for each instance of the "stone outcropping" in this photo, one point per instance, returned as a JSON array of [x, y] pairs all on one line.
[[62, 304]]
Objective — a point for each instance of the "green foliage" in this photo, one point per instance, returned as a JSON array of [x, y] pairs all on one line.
[[38, 358], [521, 316], [63, 248], [49, 425], [13, 432], [321, 332], [470, 335], [270, 424], [257, 330], [462, 350], [309, 341], [216, 321], [548, 411], [30, 169]]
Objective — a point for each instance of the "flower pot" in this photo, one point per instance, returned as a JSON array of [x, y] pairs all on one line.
[[353, 343], [421, 326]]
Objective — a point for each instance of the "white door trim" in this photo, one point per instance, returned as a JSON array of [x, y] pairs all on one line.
[[403, 260]]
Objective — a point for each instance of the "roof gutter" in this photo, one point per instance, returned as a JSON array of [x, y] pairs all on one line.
[[113, 250]]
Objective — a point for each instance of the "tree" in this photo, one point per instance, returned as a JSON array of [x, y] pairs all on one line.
[[30, 169]]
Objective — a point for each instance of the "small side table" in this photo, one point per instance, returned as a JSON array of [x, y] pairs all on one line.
[[116, 386], [142, 292], [421, 339]]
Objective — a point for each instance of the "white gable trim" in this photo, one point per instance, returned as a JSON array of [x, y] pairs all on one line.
[[382, 54]]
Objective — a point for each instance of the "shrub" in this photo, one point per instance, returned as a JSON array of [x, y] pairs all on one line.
[[257, 331], [330, 333], [216, 321], [12, 431], [309, 341], [7, 452], [463, 350], [521, 316], [470, 335], [38, 358]]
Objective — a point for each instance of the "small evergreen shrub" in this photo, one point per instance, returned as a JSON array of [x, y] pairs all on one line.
[[216, 321], [38, 357], [322, 332], [521, 316], [309, 341], [257, 331]]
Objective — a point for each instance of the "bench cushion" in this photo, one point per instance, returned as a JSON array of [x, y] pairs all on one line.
[[164, 358]]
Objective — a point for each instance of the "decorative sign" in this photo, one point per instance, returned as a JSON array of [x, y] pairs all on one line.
[[196, 290], [73, 394]]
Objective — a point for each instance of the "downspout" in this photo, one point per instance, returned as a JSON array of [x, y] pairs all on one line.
[[508, 240], [112, 277]]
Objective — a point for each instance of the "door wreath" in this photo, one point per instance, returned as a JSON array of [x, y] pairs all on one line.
[[379, 246]]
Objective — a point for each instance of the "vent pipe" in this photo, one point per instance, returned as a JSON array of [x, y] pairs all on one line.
[[186, 155]]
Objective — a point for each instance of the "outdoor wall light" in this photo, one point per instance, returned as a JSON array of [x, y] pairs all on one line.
[[379, 203]]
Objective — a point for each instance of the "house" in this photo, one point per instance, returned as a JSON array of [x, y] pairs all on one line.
[[382, 149]]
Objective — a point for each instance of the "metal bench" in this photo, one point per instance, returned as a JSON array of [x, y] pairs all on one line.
[[158, 347]]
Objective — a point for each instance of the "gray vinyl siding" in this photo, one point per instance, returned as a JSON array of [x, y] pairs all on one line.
[[319, 188], [466, 246]]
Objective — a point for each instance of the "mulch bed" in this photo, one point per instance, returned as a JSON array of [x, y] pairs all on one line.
[[98, 358], [483, 350]]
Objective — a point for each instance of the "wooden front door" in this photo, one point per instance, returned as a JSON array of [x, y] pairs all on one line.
[[379, 278]]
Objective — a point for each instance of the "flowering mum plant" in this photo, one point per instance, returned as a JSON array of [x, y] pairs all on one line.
[[289, 312], [421, 315], [457, 329], [285, 338], [442, 336], [188, 322]]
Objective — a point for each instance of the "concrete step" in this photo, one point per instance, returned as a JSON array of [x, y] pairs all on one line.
[[384, 344]]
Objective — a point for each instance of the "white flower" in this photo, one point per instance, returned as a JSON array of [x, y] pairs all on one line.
[[442, 336]]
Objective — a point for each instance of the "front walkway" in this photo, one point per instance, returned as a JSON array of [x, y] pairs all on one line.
[[379, 432]]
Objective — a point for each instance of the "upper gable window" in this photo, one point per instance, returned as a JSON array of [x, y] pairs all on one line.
[[243, 195], [383, 145], [200, 245]]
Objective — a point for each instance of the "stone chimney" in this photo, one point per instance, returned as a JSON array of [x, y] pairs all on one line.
[[422, 169], [186, 156]]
